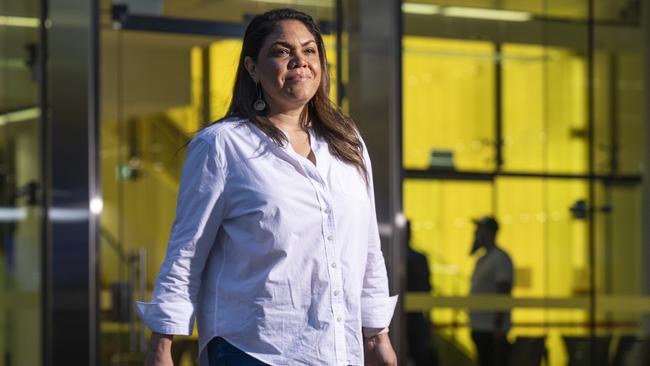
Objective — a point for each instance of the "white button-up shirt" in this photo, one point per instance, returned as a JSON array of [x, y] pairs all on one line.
[[278, 256]]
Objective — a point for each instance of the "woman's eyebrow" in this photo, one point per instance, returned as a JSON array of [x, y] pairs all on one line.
[[288, 45]]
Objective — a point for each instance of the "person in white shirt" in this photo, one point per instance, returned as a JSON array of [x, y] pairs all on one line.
[[493, 274], [275, 248]]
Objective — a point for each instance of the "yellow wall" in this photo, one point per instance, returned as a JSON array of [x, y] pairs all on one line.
[[449, 98], [448, 101]]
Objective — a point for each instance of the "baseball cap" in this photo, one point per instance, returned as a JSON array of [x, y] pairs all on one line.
[[487, 221]]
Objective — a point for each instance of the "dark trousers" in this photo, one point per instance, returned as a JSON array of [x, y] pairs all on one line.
[[420, 345], [222, 353], [492, 350]]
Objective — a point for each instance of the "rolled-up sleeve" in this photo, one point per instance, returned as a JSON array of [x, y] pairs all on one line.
[[199, 213], [377, 306]]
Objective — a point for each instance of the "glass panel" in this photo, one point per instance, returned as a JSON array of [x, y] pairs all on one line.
[[544, 109], [630, 112], [620, 303], [535, 82], [618, 109], [605, 10], [441, 216], [153, 88], [548, 245], [621, 260], [546, 240], [618, 240], [20, 179], [440, 77], [233, 11]]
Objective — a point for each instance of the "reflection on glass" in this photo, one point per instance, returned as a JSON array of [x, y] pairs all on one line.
[[618, 112], [544, 109], [618, 244], [441, 216], [547, 241], [448, 102], [20, 178], [239, 10], [153, 87], [543, 91]]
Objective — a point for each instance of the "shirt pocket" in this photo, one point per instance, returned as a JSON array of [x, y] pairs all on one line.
[[349, 183]]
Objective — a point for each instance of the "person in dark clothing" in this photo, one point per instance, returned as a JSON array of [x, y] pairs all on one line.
[[493, 274], [420, 345]]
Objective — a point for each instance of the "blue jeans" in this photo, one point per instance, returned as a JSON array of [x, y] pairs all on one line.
[[222, 353]]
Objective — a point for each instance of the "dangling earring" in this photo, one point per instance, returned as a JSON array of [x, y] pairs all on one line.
[[259, 104]]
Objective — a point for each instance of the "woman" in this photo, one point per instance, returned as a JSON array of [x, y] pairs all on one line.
[[275, 247]]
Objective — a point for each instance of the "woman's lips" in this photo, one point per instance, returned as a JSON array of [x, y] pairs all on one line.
[[298, 78]]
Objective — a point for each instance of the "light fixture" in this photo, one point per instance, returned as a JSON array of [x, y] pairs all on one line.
[[96, 205], [68, 214], [20, 115], [320, 3], [13, 214], [421, 9], [25, 22], [490, 14]]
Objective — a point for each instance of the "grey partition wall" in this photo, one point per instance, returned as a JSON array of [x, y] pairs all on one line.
[[70, 182]]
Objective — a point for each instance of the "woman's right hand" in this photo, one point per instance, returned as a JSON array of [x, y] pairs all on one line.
[[160, 350]]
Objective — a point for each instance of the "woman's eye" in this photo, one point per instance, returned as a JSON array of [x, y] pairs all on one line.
[[310, 50], [281, 52]]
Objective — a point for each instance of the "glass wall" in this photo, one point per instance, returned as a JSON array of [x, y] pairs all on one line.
[[528, 111], [20, 179]]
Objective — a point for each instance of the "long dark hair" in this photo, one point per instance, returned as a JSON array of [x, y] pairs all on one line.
[[326, 118]]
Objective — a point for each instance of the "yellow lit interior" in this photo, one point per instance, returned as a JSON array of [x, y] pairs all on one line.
[[448, 101], [449, 98], [544, 109]]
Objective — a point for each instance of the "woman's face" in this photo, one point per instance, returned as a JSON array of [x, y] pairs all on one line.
[[288, 66]]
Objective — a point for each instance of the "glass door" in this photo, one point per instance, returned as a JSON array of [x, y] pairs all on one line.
[[20, 182], [504, 117]]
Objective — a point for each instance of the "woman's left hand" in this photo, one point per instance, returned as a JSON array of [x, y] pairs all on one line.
[[379, 351]]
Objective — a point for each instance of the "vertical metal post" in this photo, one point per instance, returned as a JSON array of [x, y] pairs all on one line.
[[591, 235], [133, 269], [498, 123], [375, 99], [645, 185], [206, 92], [46, 255], [613, 113], [142, 292], [72, 146], [498, 105], [339, 52]]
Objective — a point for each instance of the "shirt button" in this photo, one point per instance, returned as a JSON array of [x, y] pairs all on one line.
[[339, 319], [326, 211], [333, 265], [336, 292], [330, 238]]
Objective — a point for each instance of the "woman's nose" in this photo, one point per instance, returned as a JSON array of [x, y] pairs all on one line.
[[298, 61]]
